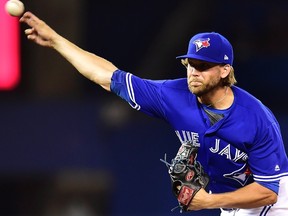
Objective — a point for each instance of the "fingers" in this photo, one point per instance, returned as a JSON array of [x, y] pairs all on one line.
[[29, 31], [39, 32], [33, 21], [25, 16], [30, 19]]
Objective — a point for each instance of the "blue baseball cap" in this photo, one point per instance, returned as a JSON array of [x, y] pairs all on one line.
[[210, 47]]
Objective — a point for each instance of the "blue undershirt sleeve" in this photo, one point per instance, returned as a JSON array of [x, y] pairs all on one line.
[[274, 186]]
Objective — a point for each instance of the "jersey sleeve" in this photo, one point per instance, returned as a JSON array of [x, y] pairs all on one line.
[[267, 158], [141, 94]]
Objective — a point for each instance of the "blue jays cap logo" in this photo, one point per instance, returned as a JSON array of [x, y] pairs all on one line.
[[201, 43]]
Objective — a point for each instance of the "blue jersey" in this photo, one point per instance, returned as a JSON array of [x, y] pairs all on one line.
[[244, 146]]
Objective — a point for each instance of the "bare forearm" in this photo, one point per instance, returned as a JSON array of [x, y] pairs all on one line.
[[250, 196], [93, 67]]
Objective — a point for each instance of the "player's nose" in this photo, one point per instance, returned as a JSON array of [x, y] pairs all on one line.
[[191, 71]]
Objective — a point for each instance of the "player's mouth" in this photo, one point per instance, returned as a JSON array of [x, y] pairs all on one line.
[[195, 83]]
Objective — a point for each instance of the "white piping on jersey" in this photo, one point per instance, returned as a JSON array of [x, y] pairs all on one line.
[[129, 85], [269, 178]]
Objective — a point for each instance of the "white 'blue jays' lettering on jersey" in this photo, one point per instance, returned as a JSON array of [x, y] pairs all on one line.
[[246, 141]]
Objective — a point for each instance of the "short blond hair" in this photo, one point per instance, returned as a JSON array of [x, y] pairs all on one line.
[[230, 79]]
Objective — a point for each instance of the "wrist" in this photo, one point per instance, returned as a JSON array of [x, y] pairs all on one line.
[[209, 202]]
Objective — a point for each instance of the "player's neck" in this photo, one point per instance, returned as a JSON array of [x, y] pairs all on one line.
[[219, 100]]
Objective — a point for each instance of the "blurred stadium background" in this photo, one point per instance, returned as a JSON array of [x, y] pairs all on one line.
[[68, 148]]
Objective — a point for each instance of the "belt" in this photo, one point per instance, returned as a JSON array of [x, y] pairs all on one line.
[[229, 209]]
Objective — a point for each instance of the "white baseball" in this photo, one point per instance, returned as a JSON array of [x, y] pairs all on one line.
[[15, 7]]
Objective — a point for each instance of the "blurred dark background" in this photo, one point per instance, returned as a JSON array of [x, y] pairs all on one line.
[[69, 148]]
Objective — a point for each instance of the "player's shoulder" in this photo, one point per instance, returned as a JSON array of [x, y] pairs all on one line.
[[177, 84], [180, 84], [245, 99], [249, 103]]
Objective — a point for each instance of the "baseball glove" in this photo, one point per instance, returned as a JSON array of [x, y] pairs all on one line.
[[187, 175]]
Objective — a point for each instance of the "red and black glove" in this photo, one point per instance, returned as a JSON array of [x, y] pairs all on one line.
[[187, 175]]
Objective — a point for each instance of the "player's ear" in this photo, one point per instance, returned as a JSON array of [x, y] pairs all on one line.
[[225, 70]]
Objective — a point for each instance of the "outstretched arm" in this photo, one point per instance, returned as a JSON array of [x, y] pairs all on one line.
[[93, 67], [251, 196]]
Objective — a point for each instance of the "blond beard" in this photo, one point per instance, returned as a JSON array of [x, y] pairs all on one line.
[[206, 88]]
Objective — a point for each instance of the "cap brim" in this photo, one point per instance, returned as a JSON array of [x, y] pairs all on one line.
[[192, 56]]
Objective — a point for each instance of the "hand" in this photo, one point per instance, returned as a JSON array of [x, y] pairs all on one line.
[[199, 201], [40, 32]]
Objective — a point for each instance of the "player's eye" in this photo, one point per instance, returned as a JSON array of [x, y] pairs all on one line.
[[202, 66]]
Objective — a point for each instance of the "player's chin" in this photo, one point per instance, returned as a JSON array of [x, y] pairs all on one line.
[[197, 90]]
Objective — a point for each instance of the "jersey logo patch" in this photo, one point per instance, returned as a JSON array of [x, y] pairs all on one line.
[[201, 43], [241, 176]]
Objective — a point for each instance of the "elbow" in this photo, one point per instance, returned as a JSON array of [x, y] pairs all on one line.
[[273, 198], [269, 197]]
